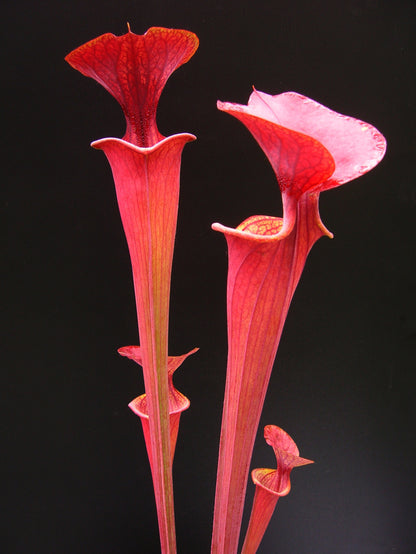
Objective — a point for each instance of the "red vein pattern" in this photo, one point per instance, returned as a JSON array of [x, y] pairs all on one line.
[[134, 69], [177, 401], [271, 485], [311, 152], [146, 171]]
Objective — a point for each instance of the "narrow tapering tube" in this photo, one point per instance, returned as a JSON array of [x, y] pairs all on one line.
[[271, 485], [311, 148], [265, 265], [177, 401], [145, 164], [147, 186]]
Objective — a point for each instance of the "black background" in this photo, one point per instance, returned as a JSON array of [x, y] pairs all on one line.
[[76, 476]]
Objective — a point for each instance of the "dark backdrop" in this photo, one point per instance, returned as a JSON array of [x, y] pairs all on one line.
[[76, 477]]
